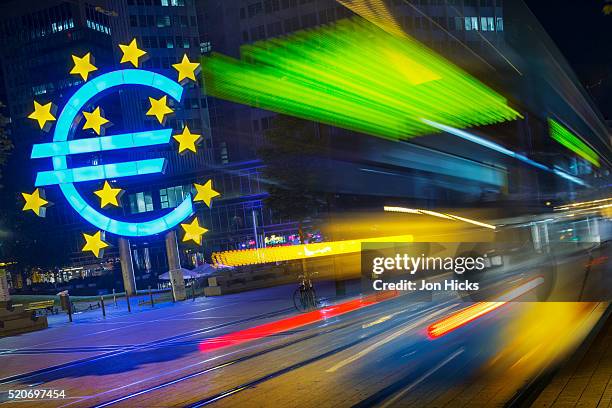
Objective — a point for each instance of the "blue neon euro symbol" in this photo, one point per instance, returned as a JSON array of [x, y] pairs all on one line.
[[63, 146]]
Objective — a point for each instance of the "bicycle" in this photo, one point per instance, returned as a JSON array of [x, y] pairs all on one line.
[[305, 296]]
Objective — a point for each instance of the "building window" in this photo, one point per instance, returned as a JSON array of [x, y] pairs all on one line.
[[172, 196], [163, 21], [471, 23], [458, 23], [500, 24], [205, 47], [254, 9], [141, 202]]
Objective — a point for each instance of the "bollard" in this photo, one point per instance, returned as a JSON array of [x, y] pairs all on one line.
[[151, 296], [127, 299], [102, 305], [114, 297]]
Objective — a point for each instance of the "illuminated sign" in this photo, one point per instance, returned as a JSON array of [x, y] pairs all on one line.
[[65, 145]]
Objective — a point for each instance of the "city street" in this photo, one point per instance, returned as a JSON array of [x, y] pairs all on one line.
[[375, 353], [312, 204]]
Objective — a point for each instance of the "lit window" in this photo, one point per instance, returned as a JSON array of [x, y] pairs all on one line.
[[500, 24], [141, 202], [205, 47], [474, 23], [490, 24], [483, 23], [172, 196], [468, 24]]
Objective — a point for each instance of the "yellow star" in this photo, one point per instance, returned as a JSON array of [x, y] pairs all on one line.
[[186, 69], [159, 108], [35, 202], [94, 120], [42, 113], [205, 192], [95, 243], [187, 140], [83, 66], [193, 231], [131, 53], [109, 195]]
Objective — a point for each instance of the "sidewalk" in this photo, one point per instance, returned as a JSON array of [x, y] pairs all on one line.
[[167, 324], [586, 381]]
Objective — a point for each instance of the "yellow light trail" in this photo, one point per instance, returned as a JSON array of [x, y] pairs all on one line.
[[294, 252], [600, 202], [438, 214]]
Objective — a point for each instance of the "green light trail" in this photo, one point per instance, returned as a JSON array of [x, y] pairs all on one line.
[[562, 135], [354, 75]]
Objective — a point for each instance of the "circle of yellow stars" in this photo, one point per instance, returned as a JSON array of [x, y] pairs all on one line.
[[110, 196]]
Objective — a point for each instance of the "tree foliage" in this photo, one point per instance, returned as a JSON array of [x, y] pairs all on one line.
[[292, 154]]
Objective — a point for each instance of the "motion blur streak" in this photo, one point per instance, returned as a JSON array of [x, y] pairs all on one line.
[[602, 203], [562, 135], [287, 253], [462, 318], [498, 148], [437, 214], [376, 12], [291, 323], [543, 334], [473, 312], [355, 75]]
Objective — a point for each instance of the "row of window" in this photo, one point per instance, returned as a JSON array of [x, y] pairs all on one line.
[[295, 23], [39, 21], [270, 6], [164, 3], [50, 86], [479, 24], [162, 21], [195, 125], [472, 23], [98, 27], [179, 41], [244, 183]]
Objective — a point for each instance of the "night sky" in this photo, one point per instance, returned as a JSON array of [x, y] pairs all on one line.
[[583, 33]]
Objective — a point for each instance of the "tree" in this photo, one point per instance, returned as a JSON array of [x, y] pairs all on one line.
[[292, 155]]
